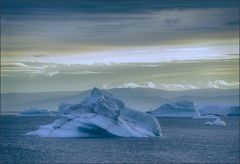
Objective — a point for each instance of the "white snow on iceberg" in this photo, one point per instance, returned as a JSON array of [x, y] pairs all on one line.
[[100, 115], [177, 109], [34, 112]]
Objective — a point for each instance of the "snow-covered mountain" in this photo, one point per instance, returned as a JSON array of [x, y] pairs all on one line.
[[177, 109], [100, 115]]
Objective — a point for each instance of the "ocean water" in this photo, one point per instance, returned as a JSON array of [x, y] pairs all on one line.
[[183, 140]]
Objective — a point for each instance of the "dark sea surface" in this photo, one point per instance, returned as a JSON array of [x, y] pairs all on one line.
[[184, 140]]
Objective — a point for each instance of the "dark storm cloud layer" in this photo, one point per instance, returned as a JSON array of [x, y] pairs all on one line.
[[60, 25], [108, 6], [50, 32]]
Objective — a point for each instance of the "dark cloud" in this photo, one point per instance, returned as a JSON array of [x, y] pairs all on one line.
[[39, 56], [106, 6]]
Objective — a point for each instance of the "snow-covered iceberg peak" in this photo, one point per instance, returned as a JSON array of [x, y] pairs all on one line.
[[182, 108], [100, 115], [98, 92]]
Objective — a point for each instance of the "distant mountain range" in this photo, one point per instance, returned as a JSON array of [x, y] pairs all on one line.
[[142, 99]]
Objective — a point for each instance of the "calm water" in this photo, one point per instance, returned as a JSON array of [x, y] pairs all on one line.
[[183, 140]]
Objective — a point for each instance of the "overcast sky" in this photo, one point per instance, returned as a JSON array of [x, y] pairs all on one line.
[[74, 45]]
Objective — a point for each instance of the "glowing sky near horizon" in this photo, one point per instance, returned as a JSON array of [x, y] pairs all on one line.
[[48, 45]]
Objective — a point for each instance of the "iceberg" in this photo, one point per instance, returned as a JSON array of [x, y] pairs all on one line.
[[177, 109], [214, 109], [217, 122], [34, 112], [100, 115], [234, 111], [219, 109]]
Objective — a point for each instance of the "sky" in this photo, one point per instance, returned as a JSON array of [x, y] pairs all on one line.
[[60, 45]]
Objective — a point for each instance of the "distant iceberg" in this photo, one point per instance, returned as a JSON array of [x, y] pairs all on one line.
[[234, 111], [217, 122], [100, 115], [219, 109], [34, 112], [177, 109], [214, 109]]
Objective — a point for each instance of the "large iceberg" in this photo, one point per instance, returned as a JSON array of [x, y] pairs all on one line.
[[100, 115], [177, 109], [34, 112]]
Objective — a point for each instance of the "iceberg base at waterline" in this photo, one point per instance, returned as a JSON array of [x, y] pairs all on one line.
[[100, 115]]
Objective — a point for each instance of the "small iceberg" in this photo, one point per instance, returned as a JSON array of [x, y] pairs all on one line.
[[34, 112], [217, 122], [100, 115], [177, 109]]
